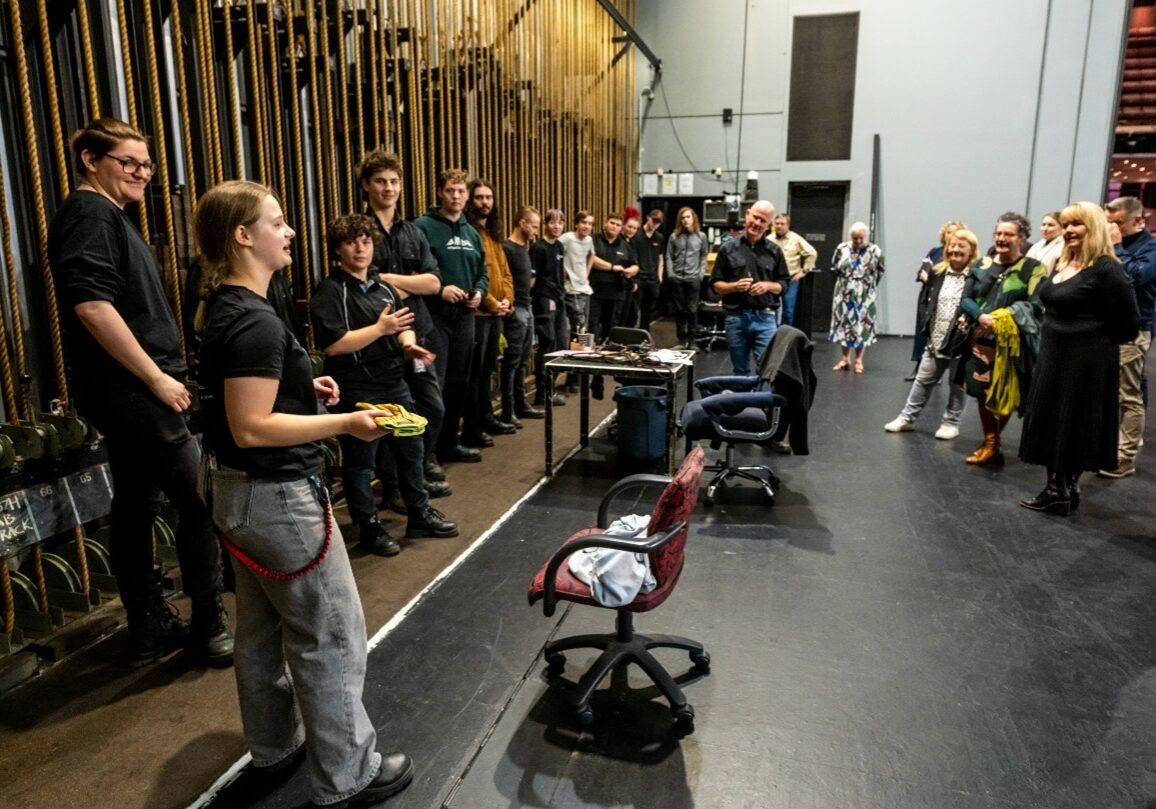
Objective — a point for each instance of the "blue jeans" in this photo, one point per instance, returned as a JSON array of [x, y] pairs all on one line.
[[519, 331], [749, 332], [789, 298], [300, 644]]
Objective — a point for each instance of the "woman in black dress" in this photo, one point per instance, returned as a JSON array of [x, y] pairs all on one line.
[[1089, 310]]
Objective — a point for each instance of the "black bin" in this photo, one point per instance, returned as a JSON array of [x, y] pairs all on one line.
[[641, 422]]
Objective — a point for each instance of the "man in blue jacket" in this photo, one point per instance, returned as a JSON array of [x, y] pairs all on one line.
[[458, 250], [1137, 251]]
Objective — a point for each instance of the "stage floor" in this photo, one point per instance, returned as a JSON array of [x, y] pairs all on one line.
[[894, 632]]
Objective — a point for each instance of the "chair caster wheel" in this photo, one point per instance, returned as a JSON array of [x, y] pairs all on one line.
[[555, 664], [684, 721], [701, 662], [585, 716], [708, 501]]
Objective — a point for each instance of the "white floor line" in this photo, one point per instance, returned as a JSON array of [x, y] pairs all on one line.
[[239, 765]]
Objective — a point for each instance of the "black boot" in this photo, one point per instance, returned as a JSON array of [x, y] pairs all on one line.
[[1074, 490], [154, 630], [375, 539], [209, 635], [430, 523], [1054, 499]]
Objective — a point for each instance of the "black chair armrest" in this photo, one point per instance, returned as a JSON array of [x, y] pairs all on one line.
[[628, 482], [653, 542]]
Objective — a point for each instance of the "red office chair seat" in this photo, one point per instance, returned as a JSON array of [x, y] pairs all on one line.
[[665, 545]]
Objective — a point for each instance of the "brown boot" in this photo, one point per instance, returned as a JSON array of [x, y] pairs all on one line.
[[988, 452]]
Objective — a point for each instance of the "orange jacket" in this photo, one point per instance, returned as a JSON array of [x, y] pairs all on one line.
[[498, 271]]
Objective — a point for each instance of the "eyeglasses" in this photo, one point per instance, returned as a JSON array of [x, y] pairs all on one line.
[[130, 166]]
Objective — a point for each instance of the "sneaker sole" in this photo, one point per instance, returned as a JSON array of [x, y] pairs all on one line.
[[430, 534], [369, 797]]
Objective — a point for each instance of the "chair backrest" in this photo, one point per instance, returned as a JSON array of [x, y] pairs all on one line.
[[676, 503], [625, 336]]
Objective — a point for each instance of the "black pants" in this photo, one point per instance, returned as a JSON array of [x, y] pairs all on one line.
[[553, 331], [453, 344], [647, 302], [151, 452], [604, 314], [427, 402], [684, 296], [398, 462], [479, 406], [519, 331]]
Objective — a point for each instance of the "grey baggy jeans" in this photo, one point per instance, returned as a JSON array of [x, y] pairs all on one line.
[[300, 645]]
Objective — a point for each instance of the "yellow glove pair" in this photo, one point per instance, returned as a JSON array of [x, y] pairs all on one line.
[[396, 419]]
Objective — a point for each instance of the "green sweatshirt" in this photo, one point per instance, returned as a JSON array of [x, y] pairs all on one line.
[[458, 250]]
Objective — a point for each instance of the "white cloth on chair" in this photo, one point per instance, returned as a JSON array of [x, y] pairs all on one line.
[[615, 577]]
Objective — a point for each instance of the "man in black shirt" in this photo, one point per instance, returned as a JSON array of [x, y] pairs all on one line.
[[750, 274], [365, 331], [612, 269], [649, 246], [404, 260], [127, 372], [519, 327], [548, 299]]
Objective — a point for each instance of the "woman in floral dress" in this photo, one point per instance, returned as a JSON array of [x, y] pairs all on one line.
[[859, 265]]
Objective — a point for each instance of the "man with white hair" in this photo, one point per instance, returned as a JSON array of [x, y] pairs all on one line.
[[750, 274]]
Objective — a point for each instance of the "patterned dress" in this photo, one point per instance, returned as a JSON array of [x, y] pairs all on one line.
[[853, 310]]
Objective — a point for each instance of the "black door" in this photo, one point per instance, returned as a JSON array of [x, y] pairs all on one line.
[[817, 211]]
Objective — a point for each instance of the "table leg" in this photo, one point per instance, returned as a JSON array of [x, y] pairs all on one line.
[[584, 420], [672, 403], [549, 425]]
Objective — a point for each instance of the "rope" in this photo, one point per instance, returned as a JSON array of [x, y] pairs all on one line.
[[130, 92], [318, 138], [41, 584], [275, 85], [209, 108], [183, 104], [51, 86], [234, 100], [91, 86], [359, 88], [343, 85], [11, 408], [163, 165], [330, 177], [298, 161], [31, 144], [257, 104], [9, 598]]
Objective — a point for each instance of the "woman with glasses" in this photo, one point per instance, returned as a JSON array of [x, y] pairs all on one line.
[[127, 377]]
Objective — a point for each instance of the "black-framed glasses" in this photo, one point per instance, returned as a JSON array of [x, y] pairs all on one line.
[[130, 166]]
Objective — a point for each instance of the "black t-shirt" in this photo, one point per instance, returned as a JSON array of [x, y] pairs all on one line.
[[761, 262], [606, 284], [97, 254], [405, 251], [549, 270], [341, 304], [648, 250], [520, 270], [244, 337]]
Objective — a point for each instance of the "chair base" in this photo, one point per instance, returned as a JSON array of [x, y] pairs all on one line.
[[625, 647], [727, 469]]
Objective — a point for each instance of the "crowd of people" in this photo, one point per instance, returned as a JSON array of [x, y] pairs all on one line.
[[1057, 331]]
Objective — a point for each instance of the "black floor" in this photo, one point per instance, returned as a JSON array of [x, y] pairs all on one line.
[[894, 632]]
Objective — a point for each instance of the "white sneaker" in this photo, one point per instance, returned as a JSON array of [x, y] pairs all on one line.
[[898, 425], [946, 432]]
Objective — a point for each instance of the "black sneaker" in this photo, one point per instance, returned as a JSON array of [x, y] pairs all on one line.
[[209, 635], [460, 453], [375, 539], [495, 427], [484, 440], [431, 523], [532, 413], [395, 504], [433, 471], [154, 630]]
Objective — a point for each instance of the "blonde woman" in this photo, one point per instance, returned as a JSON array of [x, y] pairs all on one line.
[[944, 338], [300, 648], [1072, 419]]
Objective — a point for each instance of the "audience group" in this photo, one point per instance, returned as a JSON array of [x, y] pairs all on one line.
[[1056, 331]]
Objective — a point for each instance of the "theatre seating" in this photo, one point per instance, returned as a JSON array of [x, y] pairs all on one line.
[[664, 544]]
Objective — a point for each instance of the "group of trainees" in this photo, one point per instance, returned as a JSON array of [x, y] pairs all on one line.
[[1056, 331]]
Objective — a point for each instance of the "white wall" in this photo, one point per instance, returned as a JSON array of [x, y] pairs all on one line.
[[981, 107]]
